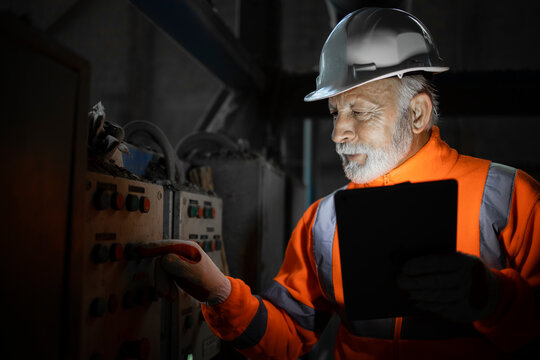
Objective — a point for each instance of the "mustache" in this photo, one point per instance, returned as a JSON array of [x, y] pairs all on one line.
[[352, 149]]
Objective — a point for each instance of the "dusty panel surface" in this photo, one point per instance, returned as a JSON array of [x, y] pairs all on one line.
[[120, 310]]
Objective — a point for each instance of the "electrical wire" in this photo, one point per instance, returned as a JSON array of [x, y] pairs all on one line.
[[172, 163], [190, 144]]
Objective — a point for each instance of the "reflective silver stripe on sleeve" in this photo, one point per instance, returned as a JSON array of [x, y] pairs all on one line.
[[324, 228], [255, 331], [494, 212], [306, 316]]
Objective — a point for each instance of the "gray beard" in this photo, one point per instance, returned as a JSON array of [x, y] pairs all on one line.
[[379, 161]]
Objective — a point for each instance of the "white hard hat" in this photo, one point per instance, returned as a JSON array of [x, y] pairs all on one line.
[[371, 44]]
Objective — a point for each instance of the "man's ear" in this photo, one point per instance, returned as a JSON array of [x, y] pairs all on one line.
[[420, 112]]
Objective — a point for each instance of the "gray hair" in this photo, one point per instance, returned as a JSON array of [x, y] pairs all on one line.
[[412, 85]]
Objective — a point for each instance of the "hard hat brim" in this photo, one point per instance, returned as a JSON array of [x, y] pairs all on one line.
[[329, 91]]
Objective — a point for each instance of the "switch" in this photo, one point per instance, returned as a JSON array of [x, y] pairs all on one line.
[[117, 201], [200, 212], [209, 213], [100, 253], [193, 210], [116, 252], [138, 349], [218, 245], [98, 306], [102, 199], [132, 202], [144, 204]]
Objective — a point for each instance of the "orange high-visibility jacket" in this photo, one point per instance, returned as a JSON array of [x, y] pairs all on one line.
[[498, 220]]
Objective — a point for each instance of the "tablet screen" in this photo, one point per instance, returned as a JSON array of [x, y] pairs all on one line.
[[379, 229]]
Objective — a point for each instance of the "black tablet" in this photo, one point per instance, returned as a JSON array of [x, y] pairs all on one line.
[[379, 229]]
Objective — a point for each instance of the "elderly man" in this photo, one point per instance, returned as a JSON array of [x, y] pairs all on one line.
[[482, 298]]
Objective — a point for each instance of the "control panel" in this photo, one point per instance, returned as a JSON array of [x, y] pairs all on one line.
[[199, 218], [121, 312]]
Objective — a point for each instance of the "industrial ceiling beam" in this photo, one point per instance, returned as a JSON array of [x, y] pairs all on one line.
[[195, 26]]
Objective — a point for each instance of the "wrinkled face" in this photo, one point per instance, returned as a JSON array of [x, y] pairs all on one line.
[[371, 133]]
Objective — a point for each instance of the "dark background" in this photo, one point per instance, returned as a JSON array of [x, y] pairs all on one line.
[[140, 72], [241, 69]]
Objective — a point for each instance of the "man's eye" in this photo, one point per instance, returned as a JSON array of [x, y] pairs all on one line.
[[334, 115], [361, 114]]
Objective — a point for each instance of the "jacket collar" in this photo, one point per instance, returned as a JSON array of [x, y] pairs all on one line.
[[432, 162]]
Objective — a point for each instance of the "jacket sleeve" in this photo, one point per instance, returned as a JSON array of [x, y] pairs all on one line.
[[287, 320], [516, 321]]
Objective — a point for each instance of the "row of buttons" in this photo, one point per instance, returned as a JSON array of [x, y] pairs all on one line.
[[102, 253], [201, 212], [103, 200], [142, 296], [210, 245]]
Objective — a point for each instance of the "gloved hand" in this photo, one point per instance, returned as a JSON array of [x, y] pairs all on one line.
[[459, 286], [190, 267]]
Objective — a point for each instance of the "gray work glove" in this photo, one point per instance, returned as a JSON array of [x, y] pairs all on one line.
[[190, 267], [459, 287]]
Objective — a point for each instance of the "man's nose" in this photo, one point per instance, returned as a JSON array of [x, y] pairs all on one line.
[[343, 129]]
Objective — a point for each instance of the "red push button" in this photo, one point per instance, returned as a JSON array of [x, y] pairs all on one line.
[[144, 204], [116, 252], [117, 201]]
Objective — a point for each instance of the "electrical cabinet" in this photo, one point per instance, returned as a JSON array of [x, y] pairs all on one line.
[[197, 217], [254, 216], [120, 310]]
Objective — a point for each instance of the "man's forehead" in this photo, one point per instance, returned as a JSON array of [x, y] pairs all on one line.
[[373, 92]]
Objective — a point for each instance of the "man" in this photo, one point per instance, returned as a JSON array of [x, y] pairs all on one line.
[[384, 111]]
